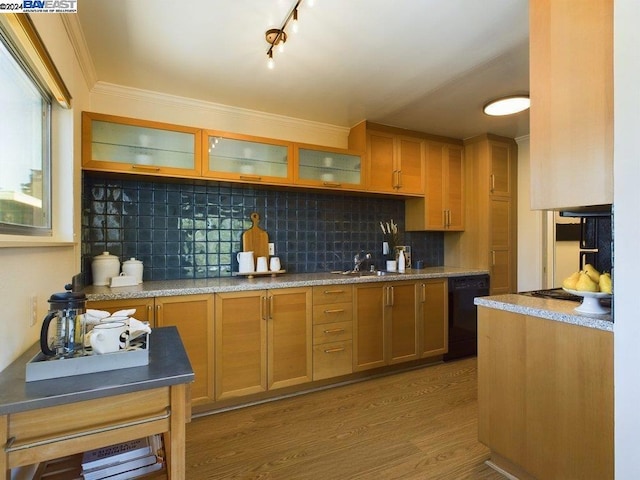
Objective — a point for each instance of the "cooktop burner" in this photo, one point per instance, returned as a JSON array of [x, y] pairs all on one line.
[[560, 294], [556, 293]]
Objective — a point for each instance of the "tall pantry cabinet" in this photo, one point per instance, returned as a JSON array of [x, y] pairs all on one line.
[[490, 238]]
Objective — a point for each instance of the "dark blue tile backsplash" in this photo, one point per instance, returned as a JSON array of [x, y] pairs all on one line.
[[193, 230]]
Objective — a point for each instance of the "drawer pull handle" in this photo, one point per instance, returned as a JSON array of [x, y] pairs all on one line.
[[253, 178], [335, 310], [334, 330], [148, 169], [333, 292], [334, 350], [331, 184], [10, 448]]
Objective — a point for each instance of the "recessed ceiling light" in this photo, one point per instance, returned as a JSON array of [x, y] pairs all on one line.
[[507, 105]]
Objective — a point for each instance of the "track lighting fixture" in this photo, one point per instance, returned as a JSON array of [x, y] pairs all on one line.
[[278, 36]]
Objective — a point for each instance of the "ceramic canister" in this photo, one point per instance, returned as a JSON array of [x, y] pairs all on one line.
[[133, 268], [103, 267]]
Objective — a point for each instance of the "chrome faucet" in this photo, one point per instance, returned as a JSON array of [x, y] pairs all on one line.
[[359, 259]]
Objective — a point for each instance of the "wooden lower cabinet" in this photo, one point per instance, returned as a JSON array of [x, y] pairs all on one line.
[[145, 307], [262, 340], [433, 317], [193, 316], [332, 331], [385, 324], [545, 396]]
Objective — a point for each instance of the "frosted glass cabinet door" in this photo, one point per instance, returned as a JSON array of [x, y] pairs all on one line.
[[331, 169], [250, 159], [115, 143]]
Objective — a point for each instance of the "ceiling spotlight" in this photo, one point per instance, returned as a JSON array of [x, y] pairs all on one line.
[[507, 105]]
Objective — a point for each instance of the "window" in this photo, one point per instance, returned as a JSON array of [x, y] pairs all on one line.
[[25, 155]]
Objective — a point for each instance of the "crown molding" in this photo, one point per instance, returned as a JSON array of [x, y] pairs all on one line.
[[233, 114], [76, 37]]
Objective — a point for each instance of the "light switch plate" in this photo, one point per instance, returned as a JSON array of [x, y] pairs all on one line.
[[272, 248]]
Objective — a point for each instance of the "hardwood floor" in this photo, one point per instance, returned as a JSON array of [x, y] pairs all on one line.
[[420, 424]]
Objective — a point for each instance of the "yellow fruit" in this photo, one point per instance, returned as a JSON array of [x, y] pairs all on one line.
[[586, 284], [571, 280], [592, 272], [605, 283]]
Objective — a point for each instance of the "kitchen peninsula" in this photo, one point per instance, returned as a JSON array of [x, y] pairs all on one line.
[[545, 387], [253, 339], [47, 419]]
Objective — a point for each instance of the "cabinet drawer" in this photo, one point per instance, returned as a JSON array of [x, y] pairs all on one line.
[[332, 332], [332, 360], [335, 312], [88, 424], [324, 294]]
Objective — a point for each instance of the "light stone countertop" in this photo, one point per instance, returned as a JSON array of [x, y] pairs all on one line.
[[167, 288], [551, 309]]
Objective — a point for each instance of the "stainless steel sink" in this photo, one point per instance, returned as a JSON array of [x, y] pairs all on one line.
[[367, 273]]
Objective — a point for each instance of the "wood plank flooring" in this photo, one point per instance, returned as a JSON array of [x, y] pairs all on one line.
[[420, 424]]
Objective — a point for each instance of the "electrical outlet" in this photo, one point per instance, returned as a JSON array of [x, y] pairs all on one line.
[[33, 300], [272, 248]]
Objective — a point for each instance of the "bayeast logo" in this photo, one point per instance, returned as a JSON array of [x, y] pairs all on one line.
[[50, 6]]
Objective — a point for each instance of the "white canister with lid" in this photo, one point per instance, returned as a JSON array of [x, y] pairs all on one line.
[[133, 268], [103, 267]]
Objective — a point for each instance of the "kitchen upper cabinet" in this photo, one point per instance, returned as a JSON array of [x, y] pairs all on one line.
[[193, 317], [433, 317], [395, 163], [385, 324], [489, 240], [328, 167], [545, 396], [442, 207], [118, 144], [571, 85], [248, 159], [263, 340]]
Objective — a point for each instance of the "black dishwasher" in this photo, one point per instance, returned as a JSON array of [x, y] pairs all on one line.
[[463, 315]]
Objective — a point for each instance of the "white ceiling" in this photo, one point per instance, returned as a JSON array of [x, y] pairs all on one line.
[[427, 65]]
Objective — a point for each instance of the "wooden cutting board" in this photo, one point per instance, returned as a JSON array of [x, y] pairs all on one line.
[[255, 239]]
